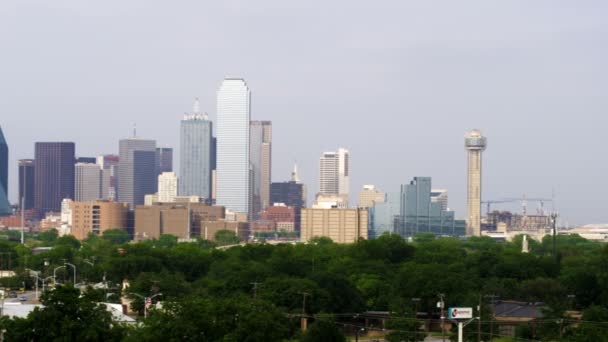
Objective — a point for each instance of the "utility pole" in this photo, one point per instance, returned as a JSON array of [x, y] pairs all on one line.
[[479, 322], [554, 222], [255, 289], [303, 320], [441, 305]]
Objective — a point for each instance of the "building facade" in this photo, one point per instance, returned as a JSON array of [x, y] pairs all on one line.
[[26, 183], [5, 206], [385, 215], [418, 214], [167, 187], [334, 172], [340, 225], [369, 196], [260, 155], [475, 144], [88, 182], [440, 196], [95, 217], [233, 166], [164, 160], [109, 176], [136, 170], [291, 194], [54, 175], [196, 155], [179, 219]]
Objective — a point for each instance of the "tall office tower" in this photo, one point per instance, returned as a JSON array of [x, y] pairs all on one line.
[[419, 214], [54, 175], [196, 153], [167, 187], [233, 168], [26, 182], [475, 143], [369, 196], [5, 206], [164, 160], [88, 182], [334, 173], [109, 176], [260, 155], [136, 170]]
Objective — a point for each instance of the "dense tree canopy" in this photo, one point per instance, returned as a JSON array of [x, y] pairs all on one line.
[[258, 292]]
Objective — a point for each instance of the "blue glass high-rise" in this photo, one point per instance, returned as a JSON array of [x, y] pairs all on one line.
[[196, 154]]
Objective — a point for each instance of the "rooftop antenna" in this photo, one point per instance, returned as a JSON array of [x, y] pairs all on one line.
[[197, 106]]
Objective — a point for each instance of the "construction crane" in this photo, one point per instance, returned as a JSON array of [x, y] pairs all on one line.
[[524, 203]]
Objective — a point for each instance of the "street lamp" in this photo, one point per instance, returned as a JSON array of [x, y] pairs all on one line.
[[55, 274], [146, 301], [35, 274]]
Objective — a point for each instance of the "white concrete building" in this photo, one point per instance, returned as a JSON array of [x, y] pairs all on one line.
[[167, 187]]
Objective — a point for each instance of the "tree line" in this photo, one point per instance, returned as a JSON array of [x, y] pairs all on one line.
[[260, 292]]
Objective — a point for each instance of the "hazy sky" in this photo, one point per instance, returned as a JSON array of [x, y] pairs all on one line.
[[398, 83]]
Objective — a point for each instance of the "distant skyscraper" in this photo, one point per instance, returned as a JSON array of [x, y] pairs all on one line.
[[334, 173], [167, 187], [370, 195], [5, 206], [384, 216], [109, 176], [475, 144], [136, 170], [418, 214], [196, 154], [164, 160], [26, 182], [260, 155], [88, 182], [54, 172], [233, 167]]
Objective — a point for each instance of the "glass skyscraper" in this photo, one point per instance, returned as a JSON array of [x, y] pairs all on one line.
[[412, 211], [233, 167], [136, 170], [196, 153], [260, 156], [54, 175], [5, 206]]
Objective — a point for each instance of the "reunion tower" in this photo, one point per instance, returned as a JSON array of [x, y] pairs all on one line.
[[475, 144]]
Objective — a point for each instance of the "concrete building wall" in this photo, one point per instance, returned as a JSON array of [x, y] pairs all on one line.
[[97, 216], [340, 225], [210, 228], [88, 186]]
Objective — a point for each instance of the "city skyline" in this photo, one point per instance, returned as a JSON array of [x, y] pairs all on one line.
[[526, 86]]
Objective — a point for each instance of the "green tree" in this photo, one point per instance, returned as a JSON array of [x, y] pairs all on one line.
[[116, 236], [65, 316], [323, 329], [226, 238]]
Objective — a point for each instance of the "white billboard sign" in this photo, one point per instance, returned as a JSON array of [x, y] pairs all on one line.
[[460, 313]]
